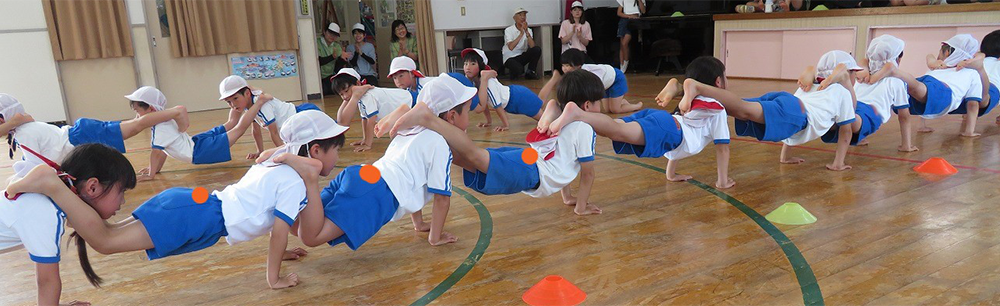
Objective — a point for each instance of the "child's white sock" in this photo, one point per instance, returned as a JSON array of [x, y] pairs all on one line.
[[624, 66]]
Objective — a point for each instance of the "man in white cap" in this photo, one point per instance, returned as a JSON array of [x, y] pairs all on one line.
[[372, 103], [331, 55], [947, 90], [362, 55], [166, 138], [240, 97], [519, 48], [414, 170]]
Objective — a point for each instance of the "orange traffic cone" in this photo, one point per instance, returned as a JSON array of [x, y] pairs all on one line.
[[936, 166], [554, 290]]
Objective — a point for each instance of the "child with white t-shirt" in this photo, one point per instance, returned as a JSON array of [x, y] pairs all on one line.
[[267, 199], [503, 99], [888, 95], [372, 103], [990, 51], [612, 79], [272, 115]]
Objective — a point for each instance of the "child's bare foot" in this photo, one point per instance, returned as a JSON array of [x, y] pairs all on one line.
[[690, 92], [668, 93], [974, 134], [839, 76], [589, 209], [838, 167], [678, 177], [729, 184], [888, 70], [973, 63], [863, 143], [445, 238], [570, 114], [911, 148], [412, 118], [806, 79], [550, 114], [793, 160]]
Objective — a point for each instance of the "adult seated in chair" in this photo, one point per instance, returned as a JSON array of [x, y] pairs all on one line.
[[519, 48]]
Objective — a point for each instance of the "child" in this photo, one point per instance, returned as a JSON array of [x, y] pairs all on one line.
[[362, 55], [414, 171], [502, 170], [55, 142], [945, 89], [991, 51], [791, 119], [613, 80], [240, 97], [655, 133], [371, 102], [209, 147], [266, 199], [868, 119], [404, 74], [515, 99], [888, 94], [36, 222]]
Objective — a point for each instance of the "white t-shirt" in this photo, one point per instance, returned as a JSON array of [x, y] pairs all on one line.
[[992, 67], [34, 221], [421, 82], [275, 111], [250, 206], [415, 167], [605, 72], [498, 93], [965, 85], [43, 138], [629, 6], [166, 137], [824, 108], [509, 35], [383, 101], [574, 145], [700, 127], [883, 96]]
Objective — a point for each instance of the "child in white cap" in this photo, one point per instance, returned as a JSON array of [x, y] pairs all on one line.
[[208, 147], [515, 99], [947, 88], [372, 102], [267, 200], [888, 95], [240, 97], [414, 170], [362, 55], [503, 170]]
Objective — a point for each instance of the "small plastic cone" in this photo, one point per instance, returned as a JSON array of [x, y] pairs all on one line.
[[936, 166], [554, 290], [791, 214]]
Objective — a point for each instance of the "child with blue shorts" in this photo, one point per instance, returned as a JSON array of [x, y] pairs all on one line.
[[503, 99], [241, 96], [990, 51], [373, 103], [267, 199], [888, 95], [612, 80]]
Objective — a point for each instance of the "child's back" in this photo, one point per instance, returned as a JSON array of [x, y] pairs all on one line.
[[823, 108], [707, 122], [250, 205], [274, 111], [605, 72], [415, 167], [574, 145], [884, 96], [382, 101], [965, 85], [50, 141]]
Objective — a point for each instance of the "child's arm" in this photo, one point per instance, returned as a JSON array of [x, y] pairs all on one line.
[[14, 122], [567, 196], [156, 159], [348, 109], [722, 166], [583, 206], [272, 130], [368, 132], [671, 172], [484, 96], [418, 222], [502, 114], [843, 142], [550, 85], [440, 210], [275, 254], [364, 135], [905, 144], [784, 158], [49, 283], [258, 141]]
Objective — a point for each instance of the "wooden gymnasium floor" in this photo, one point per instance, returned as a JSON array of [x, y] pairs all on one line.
[[885, 235]]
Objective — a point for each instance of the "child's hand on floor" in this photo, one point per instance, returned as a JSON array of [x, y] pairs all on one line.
[[445, 238], [294, 254], [290, 280], [589, 209]]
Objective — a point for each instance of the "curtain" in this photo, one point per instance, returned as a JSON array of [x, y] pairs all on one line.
[[425, 37], [210, 27], [88, 29]]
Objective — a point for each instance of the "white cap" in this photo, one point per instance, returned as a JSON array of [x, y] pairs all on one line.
[[304, 127], [348, 71], [149, 95], [402, 63], [486, 61], [9, 106], [519, 10], [965, 47], [231, 84], [334, 27], [882, 50], [358, 26], [831, 59], [577, 4], [445, 93]]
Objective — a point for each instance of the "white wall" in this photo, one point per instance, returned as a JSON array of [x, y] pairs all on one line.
[[492, 14], [26, 57]]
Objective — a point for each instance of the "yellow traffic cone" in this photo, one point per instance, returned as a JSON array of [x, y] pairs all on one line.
[[791, 214]]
